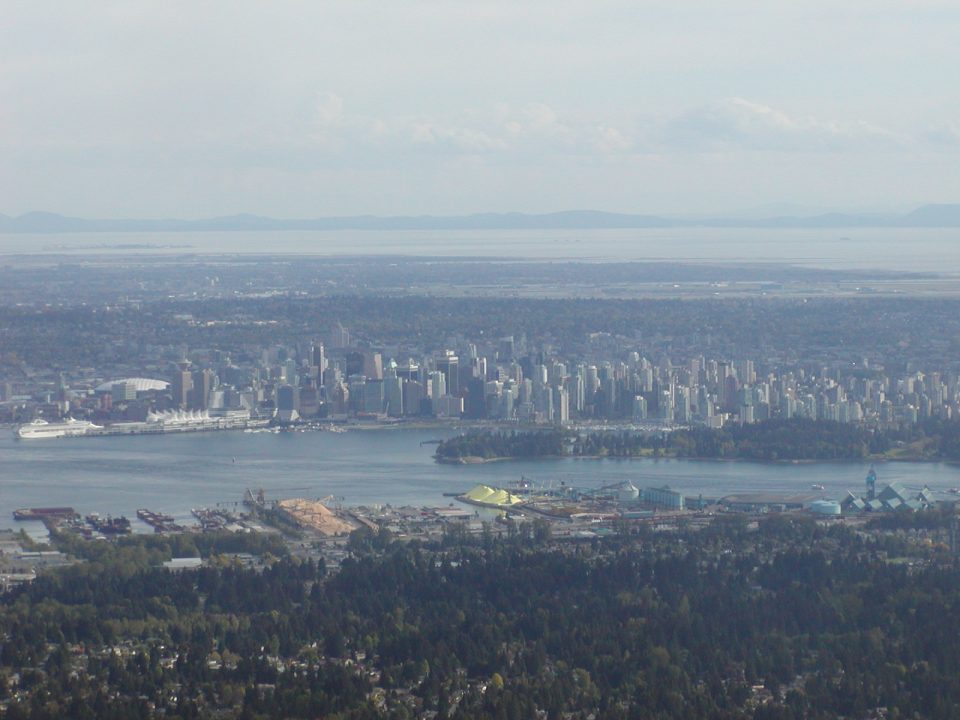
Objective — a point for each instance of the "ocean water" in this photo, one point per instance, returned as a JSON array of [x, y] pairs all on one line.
[[888, 249], [174, 473]]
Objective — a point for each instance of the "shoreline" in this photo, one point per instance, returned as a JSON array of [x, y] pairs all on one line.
[[477, 460]]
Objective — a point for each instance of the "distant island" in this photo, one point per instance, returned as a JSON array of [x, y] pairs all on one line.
[[927, 216]]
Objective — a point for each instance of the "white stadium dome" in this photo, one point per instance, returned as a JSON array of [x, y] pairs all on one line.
[[140, 384]]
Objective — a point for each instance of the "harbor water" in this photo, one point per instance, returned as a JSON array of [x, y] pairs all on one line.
[[174, 473]]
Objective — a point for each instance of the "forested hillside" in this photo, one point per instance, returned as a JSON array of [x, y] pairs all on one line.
[[791, 621], [793, 439]]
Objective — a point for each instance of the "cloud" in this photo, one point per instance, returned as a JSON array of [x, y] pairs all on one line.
[[538, 130], [329, 109], [529, 130], [943, 136], [739, 123], [610, 141]]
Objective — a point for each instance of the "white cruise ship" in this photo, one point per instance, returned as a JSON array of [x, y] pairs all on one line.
[[40, 429]]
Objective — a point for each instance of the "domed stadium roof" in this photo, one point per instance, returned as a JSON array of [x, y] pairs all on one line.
[[139, 383]]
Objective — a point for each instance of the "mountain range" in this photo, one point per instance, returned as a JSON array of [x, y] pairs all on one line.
[[927, 216]]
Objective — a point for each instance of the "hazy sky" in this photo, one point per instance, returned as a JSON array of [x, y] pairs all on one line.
[[314, 108]]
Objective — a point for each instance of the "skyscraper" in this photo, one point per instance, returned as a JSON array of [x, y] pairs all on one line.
[[449, 364], [202, 382], [318, 363], [181, 385], [288, 400], [339, 337]]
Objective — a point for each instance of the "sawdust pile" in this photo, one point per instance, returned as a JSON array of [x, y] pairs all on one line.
[[316, 516]]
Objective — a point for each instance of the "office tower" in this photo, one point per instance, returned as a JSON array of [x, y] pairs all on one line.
[[666, 405], [318, 363], [639, 407], [373, 365], [410, 371], [373, 396], [449, 365], [561, 405], [438, 385], [340, 398], [474, 399], [287, 403], [181, 384], [592, 381], [353, 363], [309, 404], [558, 371], [575, 385], [413, 397], [288, 371], [393, 393], [731, 388], [681, 408], [202, 381], [507, 403], [122, 391], [339, 337]]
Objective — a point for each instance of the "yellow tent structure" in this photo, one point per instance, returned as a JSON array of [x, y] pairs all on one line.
[[497, 497]]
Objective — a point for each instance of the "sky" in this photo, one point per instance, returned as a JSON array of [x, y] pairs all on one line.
[[406, 107]]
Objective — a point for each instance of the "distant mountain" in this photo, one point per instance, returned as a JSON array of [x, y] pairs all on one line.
[[933, 216], [43, 222], [38, 222]]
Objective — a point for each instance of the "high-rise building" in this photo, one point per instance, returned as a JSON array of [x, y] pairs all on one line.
[[353, 363], [639, 408], [449, 364], [318, 363], [681, 408], [413, 396], [449, 406], [393, 394], [437, 385], [561, 405], [202, 381], [373, 365], [121, 391], [339, 337], [592, 381], [288, 400], [409, 371], [181, 384], [309, 404], [373, 396]]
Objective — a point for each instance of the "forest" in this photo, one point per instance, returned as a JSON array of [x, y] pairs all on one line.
[[788, 620], [770, 440]]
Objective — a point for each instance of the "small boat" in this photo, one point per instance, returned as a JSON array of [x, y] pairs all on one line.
[[817, 486]]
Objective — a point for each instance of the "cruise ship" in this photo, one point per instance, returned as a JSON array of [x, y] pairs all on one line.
[[40, 429]]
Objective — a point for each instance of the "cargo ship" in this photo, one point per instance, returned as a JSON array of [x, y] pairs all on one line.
[[40, 429], [45, 513]]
